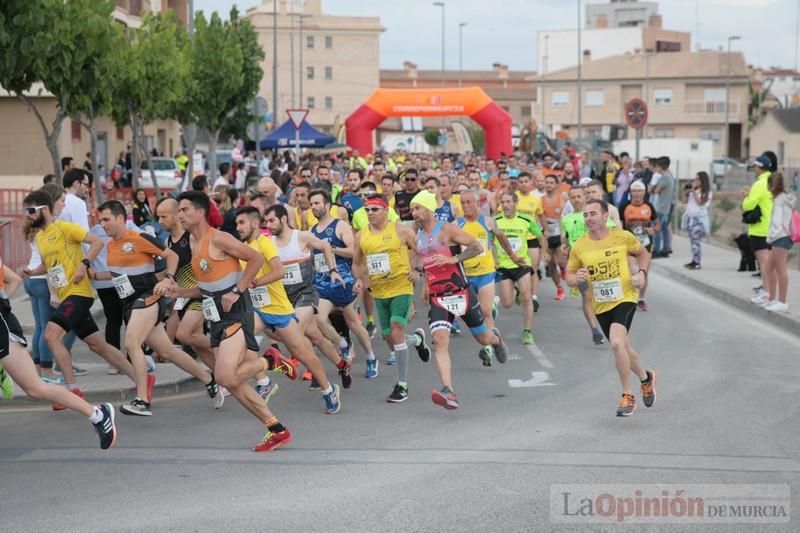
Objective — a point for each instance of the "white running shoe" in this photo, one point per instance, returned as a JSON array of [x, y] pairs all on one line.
[[777, 307], [760, 298]]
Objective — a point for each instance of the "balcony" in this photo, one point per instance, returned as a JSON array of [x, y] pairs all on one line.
[[709, 108]]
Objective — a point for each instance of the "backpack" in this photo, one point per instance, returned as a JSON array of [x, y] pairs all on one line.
[[794, 227]]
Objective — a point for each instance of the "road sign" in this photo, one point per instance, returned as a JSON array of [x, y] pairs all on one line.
[[257, 129], [297, 116], [636, 113]]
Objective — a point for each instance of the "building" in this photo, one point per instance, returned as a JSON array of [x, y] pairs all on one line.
[[620, 14], [22, 146], [328, 64], [783, 84], [778, 131], [685, 93]]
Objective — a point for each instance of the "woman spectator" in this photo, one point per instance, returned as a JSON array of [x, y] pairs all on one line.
[[696, 220], [141, 208], [227, 199], [777, 276]]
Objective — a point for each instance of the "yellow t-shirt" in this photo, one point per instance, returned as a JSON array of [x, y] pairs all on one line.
[[279, 303], [531, 205], [484, 263], [607, 262], [455, 204], [386, 257], [60, 246]]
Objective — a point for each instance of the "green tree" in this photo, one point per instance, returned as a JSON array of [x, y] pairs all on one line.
[[432, 137]]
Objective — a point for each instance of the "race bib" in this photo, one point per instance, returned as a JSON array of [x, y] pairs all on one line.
[[516, 244], [57, 276], [123, 286], [553, 227], [378, 264], [260, 297], [180, 303], [456, 304], [320, 265], [607, 291], [292, 274], [210, 311]]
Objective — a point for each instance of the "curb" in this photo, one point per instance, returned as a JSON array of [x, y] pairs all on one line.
[[776, 319]]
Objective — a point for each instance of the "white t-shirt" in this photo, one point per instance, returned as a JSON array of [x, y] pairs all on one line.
[[693, 209], [222, 180], [75, 211], [653, 182]]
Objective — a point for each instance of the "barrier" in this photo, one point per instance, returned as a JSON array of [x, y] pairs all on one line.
[[14, 249]]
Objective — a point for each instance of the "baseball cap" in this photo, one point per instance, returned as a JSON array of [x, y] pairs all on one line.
[[762, 161]]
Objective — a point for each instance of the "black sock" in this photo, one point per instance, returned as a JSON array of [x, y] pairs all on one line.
[[270, 362], [211, 383], [277, 427]]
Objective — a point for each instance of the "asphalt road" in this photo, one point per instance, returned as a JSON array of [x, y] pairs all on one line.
[[727, 413]]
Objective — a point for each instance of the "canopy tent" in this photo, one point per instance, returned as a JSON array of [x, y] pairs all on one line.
[[283, 137]]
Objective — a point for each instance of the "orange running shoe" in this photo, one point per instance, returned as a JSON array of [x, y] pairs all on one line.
[[627, 405], [279, 364], [649, 389], [560, 294], [273, 441], [76, 392]]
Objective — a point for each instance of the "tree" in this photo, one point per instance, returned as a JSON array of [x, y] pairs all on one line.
[[432, 137]]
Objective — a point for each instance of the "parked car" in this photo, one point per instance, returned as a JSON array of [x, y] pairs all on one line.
[[168, 175]]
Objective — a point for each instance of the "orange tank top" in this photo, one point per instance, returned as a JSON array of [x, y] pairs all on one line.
[[552, 208], [214, 276]]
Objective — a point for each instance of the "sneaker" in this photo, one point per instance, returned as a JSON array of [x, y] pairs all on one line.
[[112, 371], [445, 398], [767, 303], [346, 375], [151, 384], [455, 328], [273, 441], [212, 389], [597, 338], [372, 369], [137, 407], [500, 349], [560, 294], [333, 402], [423, 351], [58, 380], [574, 293], [398, 395], [314, 385], [106, 429], [760, 298], [777, 307], [76, 392], [627, 405], [266, 391], [79, 372], [307, 376], [690, 265], [649, 389], [485, 355], [6, 385], [281, 364], [535, 304], [527, 336], [642, 306], [391, 360], [371, 329]]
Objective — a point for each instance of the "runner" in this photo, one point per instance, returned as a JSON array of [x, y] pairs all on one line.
[[17, 364], [294, 248], [60, 246], [600, 259], [553, 204], [444, 209], [228, 310], [304, 216], [530, 205], [517, 228], [382, 263], [574, 228], [640, 218], [131, 266], [402, 199], [350, 197], [449, 295], [594, 191]]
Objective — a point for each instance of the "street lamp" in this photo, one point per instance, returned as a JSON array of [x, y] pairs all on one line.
[[274, 64], [727, 144], [460, 54], [302, 45], [441, 4], [545, 59], [580, 78]]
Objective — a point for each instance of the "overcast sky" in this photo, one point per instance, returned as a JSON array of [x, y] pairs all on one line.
[[506, 31]]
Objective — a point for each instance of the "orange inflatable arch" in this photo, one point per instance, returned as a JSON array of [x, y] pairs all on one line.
[[431, 102]]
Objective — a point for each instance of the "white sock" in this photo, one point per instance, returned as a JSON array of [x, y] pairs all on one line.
[[328, 390], [263, 382], [97, 415], [342, 343], [371, 356], [72, 386]]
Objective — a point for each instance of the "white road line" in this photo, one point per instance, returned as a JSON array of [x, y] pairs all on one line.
[[538, 379], [540, 356]]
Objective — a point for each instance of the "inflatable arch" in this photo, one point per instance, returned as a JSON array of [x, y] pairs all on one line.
[[431, 102]]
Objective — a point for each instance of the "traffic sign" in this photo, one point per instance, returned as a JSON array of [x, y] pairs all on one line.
[[636, 113], [297, 116]]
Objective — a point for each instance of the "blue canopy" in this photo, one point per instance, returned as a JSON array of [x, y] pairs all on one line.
[[283, 137]]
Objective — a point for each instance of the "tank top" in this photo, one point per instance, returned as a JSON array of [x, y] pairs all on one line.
[[442, 279], [552, 213], [184, 276], [297, 264], [484, 263], [387, 262], [343, 264], [215, 277], [445, 213]]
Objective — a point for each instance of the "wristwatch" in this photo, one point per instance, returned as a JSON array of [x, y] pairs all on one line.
[[86, 262], [236, 290], [169, 275]]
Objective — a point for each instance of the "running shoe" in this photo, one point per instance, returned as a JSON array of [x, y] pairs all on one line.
[[112, 371], [151, 384], [273, 441], [574, 292], [307, 376], [777, 307], [106, 429], [423, 351], [500, 349], [597, 338], [345, 352], [216, 396], [280, 364], [535, 304], [560, 294], [346, 375], [761, 297], [642, 306], [371, 329], [627, 405], [391, 360], [494, 308], [58, 380], [6, 385], [485, 355], [137, 407], [398, 395], [76, 370], [649, 389], [332, 401], [455, 328], [314, 385], [76, 392], [445, 398], [372, 369], [527, 337], [266, 391]]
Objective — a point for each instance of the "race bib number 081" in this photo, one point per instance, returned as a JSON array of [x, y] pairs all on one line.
[[607, 291]]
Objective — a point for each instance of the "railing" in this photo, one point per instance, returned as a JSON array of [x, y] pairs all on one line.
[[14, 249], [709, 108]]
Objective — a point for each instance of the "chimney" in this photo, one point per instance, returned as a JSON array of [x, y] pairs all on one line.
[[502, 72], [601, 21], [587, 55], [411, 69], [654, 22]]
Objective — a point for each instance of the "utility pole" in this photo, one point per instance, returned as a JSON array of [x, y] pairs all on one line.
[[274, 64], [727, 144], [545, 59], [461, 54], [580, 78]]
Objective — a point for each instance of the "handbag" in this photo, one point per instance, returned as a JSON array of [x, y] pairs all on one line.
[[752, 217]]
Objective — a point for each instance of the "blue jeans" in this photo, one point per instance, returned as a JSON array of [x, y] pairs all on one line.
[[661, 239], [40, 303]]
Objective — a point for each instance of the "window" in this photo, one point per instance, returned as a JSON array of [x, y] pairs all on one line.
[[559, 98], [311, 102], [309, 41], [714, 94], [711, 134], [594, 98], [526, 112], [665, 133], [120, 133], [328, 73], [328, 42], [662, 96], [309, 73], [329, 102], [76, 130]]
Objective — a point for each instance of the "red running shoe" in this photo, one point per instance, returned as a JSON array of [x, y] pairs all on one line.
[[76, 392], [560, 294], [281, 365], [445, 398], [273, 441]]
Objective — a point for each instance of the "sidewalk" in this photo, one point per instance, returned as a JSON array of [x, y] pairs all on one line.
[[718, 278]]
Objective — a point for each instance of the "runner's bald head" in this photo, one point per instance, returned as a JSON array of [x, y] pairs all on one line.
[[167, 206]]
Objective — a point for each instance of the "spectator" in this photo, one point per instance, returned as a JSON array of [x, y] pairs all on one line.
[[779, 238], [142, 214], [76, 184], [625, 177], [587, 171], [665, 191], [200, 183], [610, 169], [224, 176], [696, 219], [757, 213], [230, 199], [66, 165], [241, 177], [48, 178]]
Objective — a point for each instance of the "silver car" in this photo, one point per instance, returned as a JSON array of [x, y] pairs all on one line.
[[168, 175]]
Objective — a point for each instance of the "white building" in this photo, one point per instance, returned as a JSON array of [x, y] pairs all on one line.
[[620, 14]]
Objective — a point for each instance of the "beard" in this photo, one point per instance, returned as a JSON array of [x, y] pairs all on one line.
[[38, 223]]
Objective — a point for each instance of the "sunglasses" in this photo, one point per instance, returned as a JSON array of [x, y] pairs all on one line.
[[305, 175], [33, 210], [411, 179], [372, 209]]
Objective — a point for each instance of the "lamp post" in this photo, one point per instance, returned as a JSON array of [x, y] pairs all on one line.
[[441, 4], [545, 58], [291, 54], [580, 78], [460, 54], [727, 144], [302, 45], [274, 64]]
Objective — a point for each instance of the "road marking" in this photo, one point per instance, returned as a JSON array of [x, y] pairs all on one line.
[[540, 356], [538, 379]]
